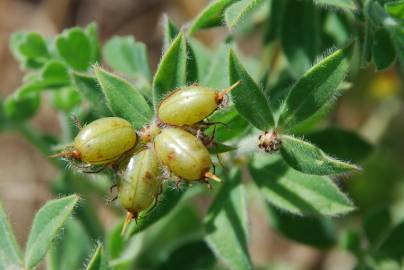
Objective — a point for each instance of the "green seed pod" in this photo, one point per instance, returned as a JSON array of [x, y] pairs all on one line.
[[183, 154], [141, 182], [104, 140], [190, 105]]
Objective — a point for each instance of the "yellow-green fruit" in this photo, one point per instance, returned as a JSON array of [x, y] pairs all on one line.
[[188, 105], [141, 182], [105, 140], [182, 153]]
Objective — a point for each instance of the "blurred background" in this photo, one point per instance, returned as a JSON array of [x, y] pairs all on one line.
[[374, 108]]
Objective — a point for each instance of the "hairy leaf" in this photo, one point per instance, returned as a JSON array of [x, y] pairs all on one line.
[[226, 224], [123, 99], [10, 253], [89, 87], [300, 35], [307, 158], [346, 5], [237, 12], [316, 87], [211, 16], [248, 98], [45, 227], [295, 192], [171, 72], [98, 260], [343, 144]]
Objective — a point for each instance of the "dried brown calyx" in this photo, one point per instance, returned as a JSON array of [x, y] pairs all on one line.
[[270, 141]]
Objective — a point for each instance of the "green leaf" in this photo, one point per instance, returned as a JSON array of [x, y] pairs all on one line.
[[234, 125], [191, 256], [295, 192], [203, 57], [383, 51], [377, 225], [65, 99], [218, 148], [237, 12], [89, 87], [182, 225], [45, 227], [248, 98], [211, 16], [170, 31], [124, 54], [55, 74], [392, 246], [10, 253], [29, 47], [226, 224], [343, 144], [70, 251], [92, 34], [300, 35], [168, 201], [346, 5], [123, 99], [307, 158], [171, 72], [316, 87], [395, 9], [98, 260], [74, 47], [273, 24], [318, 232], [20, 108], [217, 76]]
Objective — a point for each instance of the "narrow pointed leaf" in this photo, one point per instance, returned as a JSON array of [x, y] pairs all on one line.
[[377, 224], [392, 246], [346, 5], [295, 192], [46, 225], [318, 232], [171, 72], [226, 225], [248, 98], [124, 54], [170, 31], [10, 253], [300, 35], [307, 158], [383, 51], [98, 260], [217, 76], [90, 89], [316, 87], [123, 99], [343, 144], [237, 12], [211, 16]]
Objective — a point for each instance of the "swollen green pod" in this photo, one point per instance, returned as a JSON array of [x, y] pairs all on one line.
[[141, 182], [183, 154], [190, 105], [102, 141]]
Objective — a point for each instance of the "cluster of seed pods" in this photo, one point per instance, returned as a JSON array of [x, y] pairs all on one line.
[[170, 148]]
